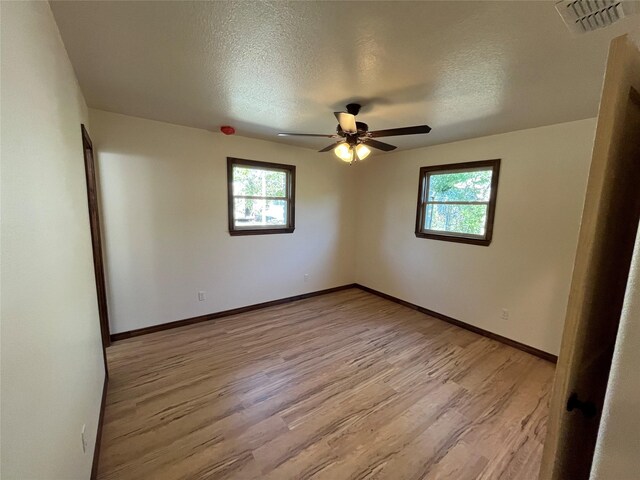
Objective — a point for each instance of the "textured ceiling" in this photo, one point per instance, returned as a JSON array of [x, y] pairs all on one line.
[[466, 68]]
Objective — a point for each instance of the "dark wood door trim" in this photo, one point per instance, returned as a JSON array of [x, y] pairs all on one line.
[[98, 269], [96, 449], [96, 236]]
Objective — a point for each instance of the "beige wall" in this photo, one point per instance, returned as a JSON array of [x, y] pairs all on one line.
[[527, 267], [163, 192], [52, 367], [164, 204]]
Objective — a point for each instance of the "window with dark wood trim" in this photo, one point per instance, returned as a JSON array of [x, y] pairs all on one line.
[[261, 197], [457, 202]]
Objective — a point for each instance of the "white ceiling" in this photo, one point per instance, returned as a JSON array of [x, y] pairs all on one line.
[[466, 68]]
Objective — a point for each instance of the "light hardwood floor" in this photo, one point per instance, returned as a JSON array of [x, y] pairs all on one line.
[[342, 386]]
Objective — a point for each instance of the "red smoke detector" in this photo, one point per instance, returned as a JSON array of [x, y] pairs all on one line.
[[227, 130]]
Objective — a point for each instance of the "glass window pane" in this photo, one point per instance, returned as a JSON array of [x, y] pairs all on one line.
[[247, 181], [259, 182], [252, 212], [470, 219], [469, 186], [276, 183]]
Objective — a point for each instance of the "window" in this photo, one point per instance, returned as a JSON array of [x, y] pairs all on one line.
[[457, 202], [261, 197]]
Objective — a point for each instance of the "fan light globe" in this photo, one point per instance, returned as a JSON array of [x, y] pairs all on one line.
[[343, 152], [362, 151]]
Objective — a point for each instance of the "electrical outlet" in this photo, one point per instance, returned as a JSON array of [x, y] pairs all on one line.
[[306, 277], [505, 314], [83, 438], [201, 296]]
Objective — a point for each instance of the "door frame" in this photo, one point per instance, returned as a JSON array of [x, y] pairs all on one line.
[[96, 237], [608, 231]]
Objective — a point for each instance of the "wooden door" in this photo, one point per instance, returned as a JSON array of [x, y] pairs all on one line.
[[605, 245], [96, 236]]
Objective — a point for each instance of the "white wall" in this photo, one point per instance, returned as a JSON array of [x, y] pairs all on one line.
[[164, 205], [52, 366], [526, 269]]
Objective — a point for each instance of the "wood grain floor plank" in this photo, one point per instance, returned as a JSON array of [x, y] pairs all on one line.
[[341, 386]]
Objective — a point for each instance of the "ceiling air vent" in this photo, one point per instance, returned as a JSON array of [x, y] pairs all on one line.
[[582, 16]]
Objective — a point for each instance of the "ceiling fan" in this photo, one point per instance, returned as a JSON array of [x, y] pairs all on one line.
[[355, 137]]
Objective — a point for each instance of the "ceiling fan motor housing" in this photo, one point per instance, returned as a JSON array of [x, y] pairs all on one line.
[[354, 108], [360, 126]]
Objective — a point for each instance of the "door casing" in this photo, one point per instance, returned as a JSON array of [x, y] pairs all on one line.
[[96, 236]]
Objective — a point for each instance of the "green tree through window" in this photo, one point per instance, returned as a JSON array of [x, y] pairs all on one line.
[[456, 200], [260, 197]]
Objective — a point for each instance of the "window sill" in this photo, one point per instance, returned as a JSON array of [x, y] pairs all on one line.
[[260, 231], [485, 242]]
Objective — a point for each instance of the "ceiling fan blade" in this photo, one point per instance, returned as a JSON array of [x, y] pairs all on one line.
[[306, 135], [379, 145], [330, 147], [391, 132], [347, 122]]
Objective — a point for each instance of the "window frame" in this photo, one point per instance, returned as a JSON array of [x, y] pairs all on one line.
[[290, 197], [423, 188]]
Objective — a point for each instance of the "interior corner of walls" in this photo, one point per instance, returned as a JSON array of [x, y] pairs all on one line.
[[423, 270], [178, 184], [377, 212]]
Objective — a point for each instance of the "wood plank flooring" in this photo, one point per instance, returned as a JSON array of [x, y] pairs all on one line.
[[342, 386]]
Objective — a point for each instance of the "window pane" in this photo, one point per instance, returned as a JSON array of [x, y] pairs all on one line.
[[251, 212], [470, 219], [469, 186], [259, 182], [276, 183]]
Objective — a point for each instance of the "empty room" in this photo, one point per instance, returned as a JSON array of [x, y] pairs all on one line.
[[320, 240]]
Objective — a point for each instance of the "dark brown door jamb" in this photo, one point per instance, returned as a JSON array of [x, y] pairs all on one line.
[[96, 237]]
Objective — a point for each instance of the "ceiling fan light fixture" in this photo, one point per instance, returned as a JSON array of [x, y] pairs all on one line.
[[363, 151], [343, 152], [355, 134]]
